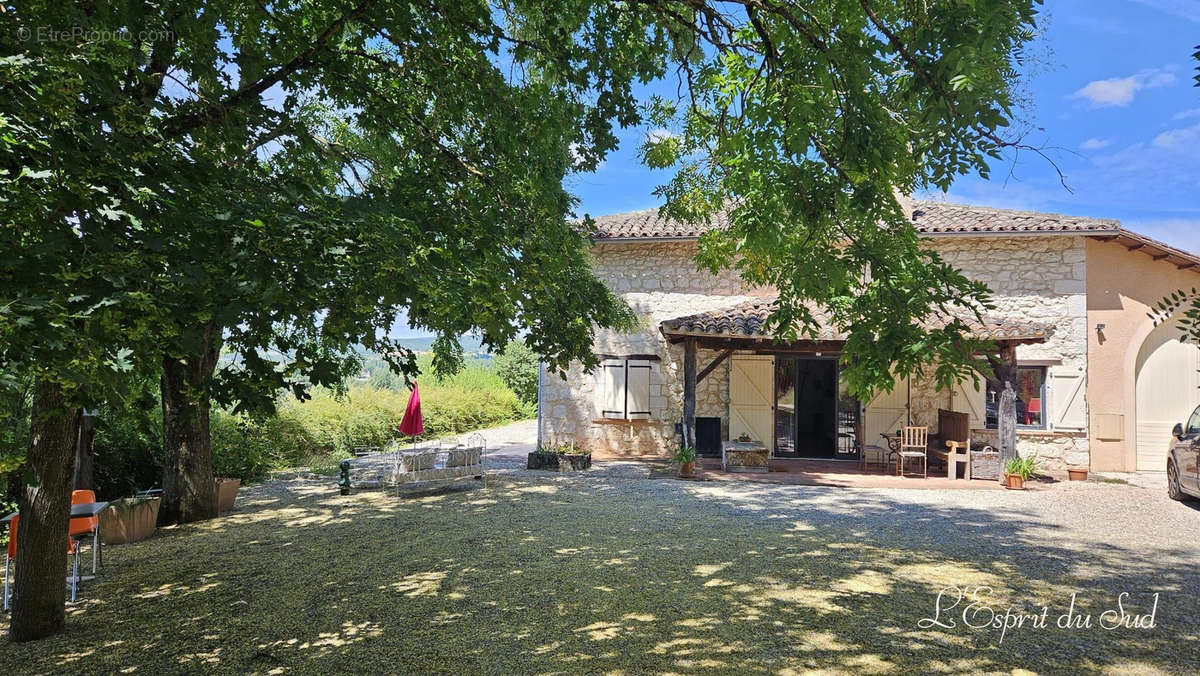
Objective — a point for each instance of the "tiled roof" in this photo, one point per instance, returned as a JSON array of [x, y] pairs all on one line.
[[933, 218], [749, 320], [647, 224], [941, 217]]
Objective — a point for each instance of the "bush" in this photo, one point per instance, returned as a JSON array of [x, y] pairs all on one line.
[[128, 448], [327, 428], [517, 366]]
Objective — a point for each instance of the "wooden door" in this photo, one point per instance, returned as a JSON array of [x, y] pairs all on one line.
[[752, 397]]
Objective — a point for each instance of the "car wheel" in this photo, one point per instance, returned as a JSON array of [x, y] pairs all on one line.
[[1173, 491]]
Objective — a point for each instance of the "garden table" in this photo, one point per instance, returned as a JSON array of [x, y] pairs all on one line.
[[79, 511]]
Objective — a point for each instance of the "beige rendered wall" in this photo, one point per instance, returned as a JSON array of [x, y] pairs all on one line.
[[1122, 285]]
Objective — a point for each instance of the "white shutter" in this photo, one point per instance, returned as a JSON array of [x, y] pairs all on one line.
[[637, 387], [970, 397], [1068, 409], [612, 389]]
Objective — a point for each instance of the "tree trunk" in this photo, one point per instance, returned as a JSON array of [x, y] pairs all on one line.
[[39, 592], [188, 493], [84, 458]]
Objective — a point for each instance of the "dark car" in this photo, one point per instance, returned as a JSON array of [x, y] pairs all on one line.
[[1183, 461]]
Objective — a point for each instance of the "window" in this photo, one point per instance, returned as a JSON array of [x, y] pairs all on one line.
[[1193, 425], [1031, 398], [625, 389]]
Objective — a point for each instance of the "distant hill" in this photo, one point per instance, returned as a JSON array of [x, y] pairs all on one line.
[[471, 345]]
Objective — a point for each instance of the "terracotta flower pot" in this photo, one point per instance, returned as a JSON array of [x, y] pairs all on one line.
[[1077, 474], [226, 493], [687, 470], [1014, 482]]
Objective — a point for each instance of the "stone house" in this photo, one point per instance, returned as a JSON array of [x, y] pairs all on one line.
[[1098, 384]]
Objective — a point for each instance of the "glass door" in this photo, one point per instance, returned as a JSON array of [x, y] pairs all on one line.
[[785, 407], [806, 407]]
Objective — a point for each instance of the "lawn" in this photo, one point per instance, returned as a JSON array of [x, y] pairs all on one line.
[[545, 573]]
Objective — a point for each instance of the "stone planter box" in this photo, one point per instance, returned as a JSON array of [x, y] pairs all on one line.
[[226, 493], [745, 456], [129, 520], [557, 461]]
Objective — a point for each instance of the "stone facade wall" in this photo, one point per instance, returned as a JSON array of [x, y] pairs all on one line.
[[1033, 277], [659, 281]]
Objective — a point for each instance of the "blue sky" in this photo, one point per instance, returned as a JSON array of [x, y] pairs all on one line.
[[1114, 95]]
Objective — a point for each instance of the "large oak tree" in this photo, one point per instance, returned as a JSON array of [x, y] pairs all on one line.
[[281, 179]]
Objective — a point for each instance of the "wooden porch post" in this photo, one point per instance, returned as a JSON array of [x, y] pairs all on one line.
[[689, 392]]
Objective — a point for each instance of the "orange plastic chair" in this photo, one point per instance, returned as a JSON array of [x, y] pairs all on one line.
[[10, 556], [87, 525]]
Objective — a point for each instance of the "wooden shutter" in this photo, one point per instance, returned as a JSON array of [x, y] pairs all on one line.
[[612, 389], [970, 397], [886, 412], [752, 398], [637, 389], [1068, 409]]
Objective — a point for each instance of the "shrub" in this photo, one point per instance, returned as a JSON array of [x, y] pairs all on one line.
[[326, 428], [517, 366]]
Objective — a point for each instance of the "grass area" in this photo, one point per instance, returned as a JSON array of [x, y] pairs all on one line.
[[567, 574]]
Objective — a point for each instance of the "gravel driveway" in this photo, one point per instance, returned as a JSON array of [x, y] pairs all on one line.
[[603, 572]]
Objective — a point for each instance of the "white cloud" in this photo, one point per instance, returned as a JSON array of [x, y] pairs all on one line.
[[1185, 114], [1119, 91], [1184, 9], [657, 135], [1095, 144], [1175, 138]]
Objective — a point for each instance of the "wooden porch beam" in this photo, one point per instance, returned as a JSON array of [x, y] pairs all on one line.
[[713, 364]]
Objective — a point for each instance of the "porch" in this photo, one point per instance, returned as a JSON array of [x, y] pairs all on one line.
[[789, 400], [839, 473]]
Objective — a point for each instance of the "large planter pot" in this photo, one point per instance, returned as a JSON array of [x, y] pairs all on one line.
[[1077, 474], [1014, 482], [129, 520], [226, 493], [687, 470]]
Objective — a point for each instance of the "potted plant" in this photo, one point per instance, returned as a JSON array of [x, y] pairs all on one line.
[[744, 438], [226, 489], [1077, 473], [685, 457], [129, 520], [1017, 471]]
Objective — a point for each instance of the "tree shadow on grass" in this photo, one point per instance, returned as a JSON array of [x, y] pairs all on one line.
[[553, 574]]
